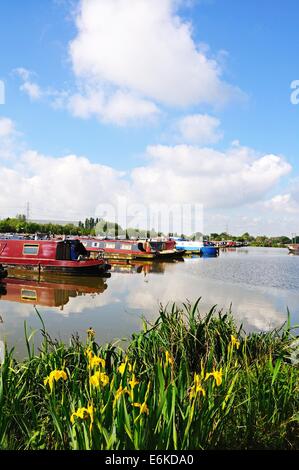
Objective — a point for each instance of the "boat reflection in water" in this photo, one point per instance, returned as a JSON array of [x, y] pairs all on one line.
[[49, 292], [138, 267]]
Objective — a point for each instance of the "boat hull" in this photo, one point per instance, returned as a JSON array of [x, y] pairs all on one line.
[[93, 269], [204, 251], [64, 257]]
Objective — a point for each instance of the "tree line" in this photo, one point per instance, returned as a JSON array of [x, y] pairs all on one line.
[[97, 226]]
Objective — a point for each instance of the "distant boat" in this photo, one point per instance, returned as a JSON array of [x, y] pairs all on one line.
[[52, 256], [294, 249], [196, 247], [132, 249]]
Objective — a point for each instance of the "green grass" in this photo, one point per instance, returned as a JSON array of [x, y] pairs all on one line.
[[185, 382]]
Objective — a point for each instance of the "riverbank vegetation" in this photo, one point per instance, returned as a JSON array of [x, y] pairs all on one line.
[[184, 382], [95, 226]]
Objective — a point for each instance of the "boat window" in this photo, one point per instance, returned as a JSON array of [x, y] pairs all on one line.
[[95, 244], [158, 246], [124, 246], [69, 250], [27, 294], [110, 245], [101, 245], [30, 249]]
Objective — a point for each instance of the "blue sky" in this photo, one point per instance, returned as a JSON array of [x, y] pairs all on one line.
[[103, 92]]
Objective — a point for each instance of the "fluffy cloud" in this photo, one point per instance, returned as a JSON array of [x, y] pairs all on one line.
[[285, 203], [199, 128], [8, 136], [65, 188], [138, 54], [120, 108], [32, 89], [6, 127], [71, 187], [187, 174]]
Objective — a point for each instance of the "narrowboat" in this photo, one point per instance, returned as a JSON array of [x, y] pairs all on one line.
[[294, 249], [196, 247], [67, 257], [50, 294], [132, 249]]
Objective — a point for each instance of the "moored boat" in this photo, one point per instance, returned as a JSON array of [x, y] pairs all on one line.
[[51, 256], [131, 249], [294, 249], [196, 247]]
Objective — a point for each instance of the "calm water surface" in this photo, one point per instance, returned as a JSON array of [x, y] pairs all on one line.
[[260, 284]]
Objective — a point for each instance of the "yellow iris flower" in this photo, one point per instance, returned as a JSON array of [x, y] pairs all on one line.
[[119, 392], [234, 342], [217, 376], [99, 378], [55, 375], [197, 387], [94, 360], [123, 366], [168, 358], [143, 407], [133, 382], [83, 413]]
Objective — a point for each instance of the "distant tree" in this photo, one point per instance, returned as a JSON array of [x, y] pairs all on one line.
[[21, 217]]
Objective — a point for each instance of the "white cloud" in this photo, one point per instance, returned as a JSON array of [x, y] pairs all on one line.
[[200, 129], [8, 138], [140, 53], [23, 73], [6, 127], [32, 89], [216, 179], [120, 108], [72, 187], [283, 203], [124, 107], [65, 188]]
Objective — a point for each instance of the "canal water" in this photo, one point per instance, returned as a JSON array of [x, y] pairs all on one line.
[[258, 284]]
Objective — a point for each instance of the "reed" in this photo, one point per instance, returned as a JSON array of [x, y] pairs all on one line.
[[186, 381]]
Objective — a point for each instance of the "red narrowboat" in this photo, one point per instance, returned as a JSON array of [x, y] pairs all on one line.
[[132, 249], [51, 256]]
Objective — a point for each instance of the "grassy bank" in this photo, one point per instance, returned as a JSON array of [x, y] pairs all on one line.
[[186, 382]]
